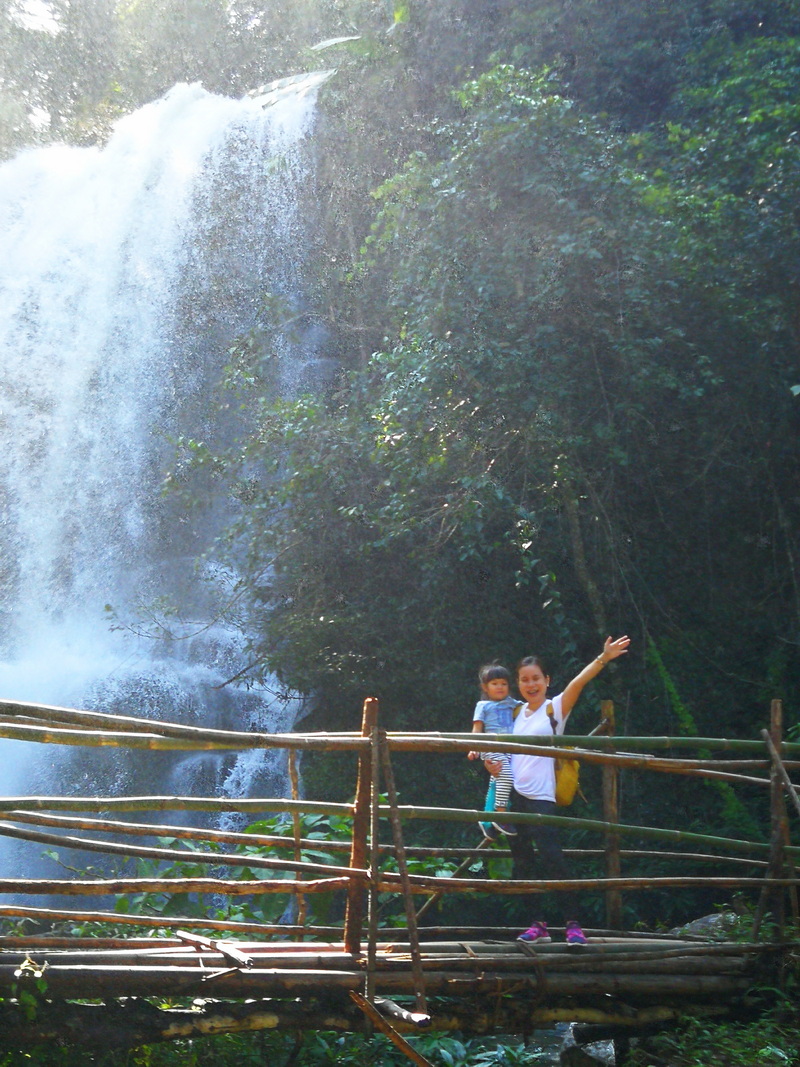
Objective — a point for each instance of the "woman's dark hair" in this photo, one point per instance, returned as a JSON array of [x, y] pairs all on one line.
[[533, 661], [492, 671]]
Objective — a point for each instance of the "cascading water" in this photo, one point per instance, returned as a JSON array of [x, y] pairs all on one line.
[[126, 273]]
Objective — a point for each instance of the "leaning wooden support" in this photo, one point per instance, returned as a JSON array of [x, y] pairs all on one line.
[[778, 834], [354, 916], [402, 866], [387, 1030], [778, 764]]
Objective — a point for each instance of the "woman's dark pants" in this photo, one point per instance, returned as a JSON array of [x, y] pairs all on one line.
[[536, 853]]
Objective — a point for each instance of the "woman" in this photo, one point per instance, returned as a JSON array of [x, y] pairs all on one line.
[[535, 780]]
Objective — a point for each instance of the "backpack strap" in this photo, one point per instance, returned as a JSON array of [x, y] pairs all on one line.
[[551, 714]]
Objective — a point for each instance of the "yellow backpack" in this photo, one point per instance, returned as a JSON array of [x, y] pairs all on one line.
[[567, 771]]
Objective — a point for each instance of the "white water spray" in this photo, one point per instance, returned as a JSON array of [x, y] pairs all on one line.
[[126, 273]]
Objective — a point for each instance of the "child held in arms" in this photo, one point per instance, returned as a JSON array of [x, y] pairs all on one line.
[[494, 714]]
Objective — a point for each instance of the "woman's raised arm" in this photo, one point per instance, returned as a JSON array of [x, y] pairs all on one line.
[[611, 649]]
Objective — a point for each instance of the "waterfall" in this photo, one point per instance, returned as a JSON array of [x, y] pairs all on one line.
[[127, 272]]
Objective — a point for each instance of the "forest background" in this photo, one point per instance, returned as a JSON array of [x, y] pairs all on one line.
[[555, 255]]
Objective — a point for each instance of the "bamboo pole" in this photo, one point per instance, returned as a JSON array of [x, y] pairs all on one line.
[[220, 859], [402, 866], [544, 746], [175, 803], [409, 742], [87, 982], [569, 822], [294, 783], [276, 841], [94, 723], [422, 884], [87, 725], [284, 842], [354, 915], [157, 742], [54, 915], [228, 887], [407, 811], [610, 786], [374, 863]]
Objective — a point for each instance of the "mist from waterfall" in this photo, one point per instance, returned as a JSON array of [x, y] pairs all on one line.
[[127, 271]]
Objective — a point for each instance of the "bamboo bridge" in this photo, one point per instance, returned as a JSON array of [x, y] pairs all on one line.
[[226, 975]]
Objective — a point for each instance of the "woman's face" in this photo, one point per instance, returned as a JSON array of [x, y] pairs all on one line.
[[532, 684]]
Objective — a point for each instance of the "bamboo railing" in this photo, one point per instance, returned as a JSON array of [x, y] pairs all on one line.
[[765, 867]]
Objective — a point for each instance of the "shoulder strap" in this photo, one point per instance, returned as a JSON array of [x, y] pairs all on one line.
[[551, 714]]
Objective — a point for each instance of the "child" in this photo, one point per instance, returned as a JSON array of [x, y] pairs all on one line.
[[495, 715]]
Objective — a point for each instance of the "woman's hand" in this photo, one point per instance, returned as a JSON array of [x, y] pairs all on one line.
[[612, 649]]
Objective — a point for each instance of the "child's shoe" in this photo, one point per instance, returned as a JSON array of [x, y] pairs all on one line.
[[535, 934], [509, 831], [488, 830], [574, 934]]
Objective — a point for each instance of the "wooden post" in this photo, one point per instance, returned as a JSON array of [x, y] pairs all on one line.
[[402, 867], [795, 799], [354, 914], [297, 831], [611, 815], [779, 832], [374, 864]]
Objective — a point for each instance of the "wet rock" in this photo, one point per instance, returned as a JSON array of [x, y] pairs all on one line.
[[721, 926], [598, 1054]]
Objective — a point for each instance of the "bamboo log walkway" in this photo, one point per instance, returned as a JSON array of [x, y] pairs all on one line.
[[221, 975], [476, 986]]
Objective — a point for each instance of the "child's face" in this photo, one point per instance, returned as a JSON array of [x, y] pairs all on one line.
[[497, 689]]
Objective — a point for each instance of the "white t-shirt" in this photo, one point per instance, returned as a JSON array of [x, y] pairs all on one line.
[[535, 776]]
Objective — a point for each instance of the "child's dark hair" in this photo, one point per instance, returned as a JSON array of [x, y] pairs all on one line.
[[533, 661], [492, 671]]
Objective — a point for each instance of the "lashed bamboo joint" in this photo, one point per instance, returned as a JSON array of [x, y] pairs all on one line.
[[643, 980]]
